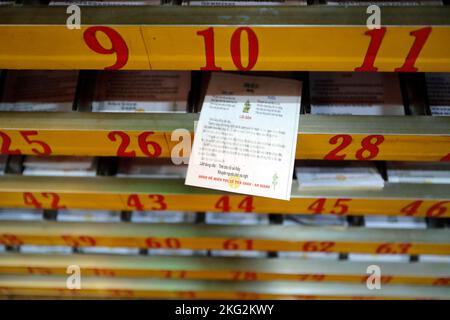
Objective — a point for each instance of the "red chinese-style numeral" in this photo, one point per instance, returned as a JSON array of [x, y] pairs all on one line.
[[55, 200], [104, 272], [393, 248], [6, 144], [208, 35], [446, 158], [421, 36], [314, 246], [144, 144], [436, 210], [246, 204], [77, 241], [239, 275], [30, 200], [187, 295], [376, 37], [339, 208], [10, 240], [317, 206], [237, 244], [441, 282], [411, 209], [142, 141], [174, 274], [39, 270], [253, 48], [343, 208], [314, 277], [134, 201], [235, 48], [171, 243], [118, 45], [125, 142], [368, 145], [223, 203], [346, 141], [46, 150], [159, 199]]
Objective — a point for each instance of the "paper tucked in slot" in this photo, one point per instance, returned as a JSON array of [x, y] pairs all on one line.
[[314, 220], [360, 257], [32, 90], [394, 222], [246, 137], [331, 174], [3, 160], [355, 93], [227, 3], [20, 214], [418, 172], [149, 168], [333, 256], [142, 91], [98, 3], [27, 248], [438, 88], [89, 215], [366, 3], [236, 218], [60, 166], [162, 217]]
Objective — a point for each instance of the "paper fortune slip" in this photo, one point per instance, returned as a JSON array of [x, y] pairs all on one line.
[[246, 136]]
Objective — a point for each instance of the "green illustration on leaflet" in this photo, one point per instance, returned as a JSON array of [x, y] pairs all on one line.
[[274, 180], [246, 107]]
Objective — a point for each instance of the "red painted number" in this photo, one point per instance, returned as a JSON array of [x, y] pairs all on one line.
[[171, 243], [235, 244], [6, 144], [339, 207], [44, 149], [235, 49], [368, 151], [118, 45], [393, 248], [376, 38], [135, 202], [78, 241], [149, 148], [10, 240], [314, 246], [436, 210], [30, 200], [223, 204]]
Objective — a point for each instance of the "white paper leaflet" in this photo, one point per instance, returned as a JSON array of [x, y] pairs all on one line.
[[338, 175], [246, 136], [355, 93], [418, 172]]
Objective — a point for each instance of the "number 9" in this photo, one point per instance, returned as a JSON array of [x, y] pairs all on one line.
[[118, 45]]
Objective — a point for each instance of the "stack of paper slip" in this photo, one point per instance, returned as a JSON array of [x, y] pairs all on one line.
[[60, 166], [395, 222], [5, 2], [3, 160], [142, 91], [328, 174], [31, 90], [163, 217], [366, 3], [236, 218], [378, 257], [149, 168], [20, 214], [314, 220], [309, 255], [438, 88], [239, 254], [106, 3], [434, 258], [233, 3], [355, 93], [28, 248], [177, 252], [108, 250], [89, 215], [418, 172]]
